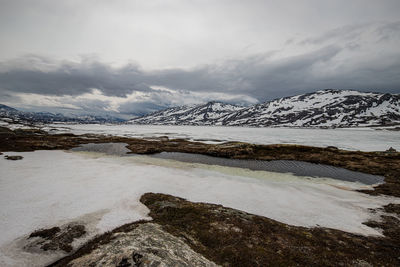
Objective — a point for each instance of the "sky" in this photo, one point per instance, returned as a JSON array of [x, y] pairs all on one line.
[[135, 57]]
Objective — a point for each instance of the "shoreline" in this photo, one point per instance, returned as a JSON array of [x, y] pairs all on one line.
[[223, 235], [385, 164]]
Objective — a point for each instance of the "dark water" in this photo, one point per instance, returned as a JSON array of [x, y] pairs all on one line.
[[298, 168], [118, 149]]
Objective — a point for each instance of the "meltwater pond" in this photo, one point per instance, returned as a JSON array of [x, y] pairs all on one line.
[[299, 168], [118, 149], [55, 188]]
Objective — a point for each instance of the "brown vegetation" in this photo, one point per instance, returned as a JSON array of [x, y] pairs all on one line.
[[378, 163], [56, 238], [234, 238]]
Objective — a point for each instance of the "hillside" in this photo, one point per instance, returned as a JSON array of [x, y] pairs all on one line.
[[324, 108], [10, 114], [203, 114]]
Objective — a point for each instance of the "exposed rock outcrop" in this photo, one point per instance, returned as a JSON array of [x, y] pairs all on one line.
[[13, 157], [184, 233], [377, 163], [145, 245], [55, 238]]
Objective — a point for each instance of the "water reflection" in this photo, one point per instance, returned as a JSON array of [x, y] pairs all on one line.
[[298, 168]]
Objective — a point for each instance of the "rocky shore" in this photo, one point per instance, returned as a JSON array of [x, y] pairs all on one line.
[[183, 233], [384, 163]]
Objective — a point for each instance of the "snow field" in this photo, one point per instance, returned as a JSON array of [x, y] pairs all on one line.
[[363, 139]]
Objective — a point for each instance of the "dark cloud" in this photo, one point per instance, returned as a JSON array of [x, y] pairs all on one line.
[[67, 78], [140, 107], [340, 59], [261, 78]]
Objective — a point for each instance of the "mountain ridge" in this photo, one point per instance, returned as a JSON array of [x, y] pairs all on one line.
[[323, 108], [12, 114], [202, 114]]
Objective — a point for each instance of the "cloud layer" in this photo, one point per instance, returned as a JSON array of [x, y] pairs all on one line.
[[360, 56]]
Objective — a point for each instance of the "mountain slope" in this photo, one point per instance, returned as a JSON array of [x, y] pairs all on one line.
[[203, 114], [333, 108], [324, 108], [11, 114]]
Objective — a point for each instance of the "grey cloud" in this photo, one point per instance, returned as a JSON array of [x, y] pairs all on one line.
[[260, 76], [346, 33], [388, 31], [69, 78], [354, 35], [141, 107]]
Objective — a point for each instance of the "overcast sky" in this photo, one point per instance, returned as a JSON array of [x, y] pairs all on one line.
[[138, 56]]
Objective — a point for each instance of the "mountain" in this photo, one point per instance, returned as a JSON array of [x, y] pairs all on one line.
[[203, 114], [324, 108], [11, 114], [6, 109]]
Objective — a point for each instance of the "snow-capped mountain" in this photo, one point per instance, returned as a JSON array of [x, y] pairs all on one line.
[[203, 114], [324, 108], [333, 108], [13, 115]]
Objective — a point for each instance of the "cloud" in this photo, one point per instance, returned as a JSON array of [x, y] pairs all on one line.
[[136, 103], [35, 74], [362, 56]]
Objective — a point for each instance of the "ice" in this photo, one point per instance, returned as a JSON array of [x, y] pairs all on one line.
[[49, 188], [363, 139]]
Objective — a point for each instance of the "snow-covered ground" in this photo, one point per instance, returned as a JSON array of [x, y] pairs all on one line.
[[364, 139], [49, 188]]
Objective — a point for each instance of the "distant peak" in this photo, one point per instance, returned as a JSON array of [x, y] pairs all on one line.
[[213, 102], [7, 107]]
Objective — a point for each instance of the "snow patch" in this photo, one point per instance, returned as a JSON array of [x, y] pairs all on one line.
[[48, 188]]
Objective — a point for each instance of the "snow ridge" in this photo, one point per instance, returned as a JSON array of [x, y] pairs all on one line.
[[202, 114], [10, 114], [324, 108]]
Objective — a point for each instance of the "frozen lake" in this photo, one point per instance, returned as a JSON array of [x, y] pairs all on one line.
[[364, 139], [299, 168], [51, 188], [102, 191]]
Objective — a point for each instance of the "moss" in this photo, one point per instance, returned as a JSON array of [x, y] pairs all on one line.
[[378, 163], [45, 233], [213, 230], [260, 241], [234, 238], [58, 239]]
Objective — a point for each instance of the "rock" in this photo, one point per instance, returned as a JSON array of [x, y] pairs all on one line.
[[30, 131], [56, 238], [13, 157], [5, 130], [134, 261], [361, 263], [391, 150], [332, 147], [234, 238], [6, 133], [184, 233], [45, 233], [146, 245], [164, 138]]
